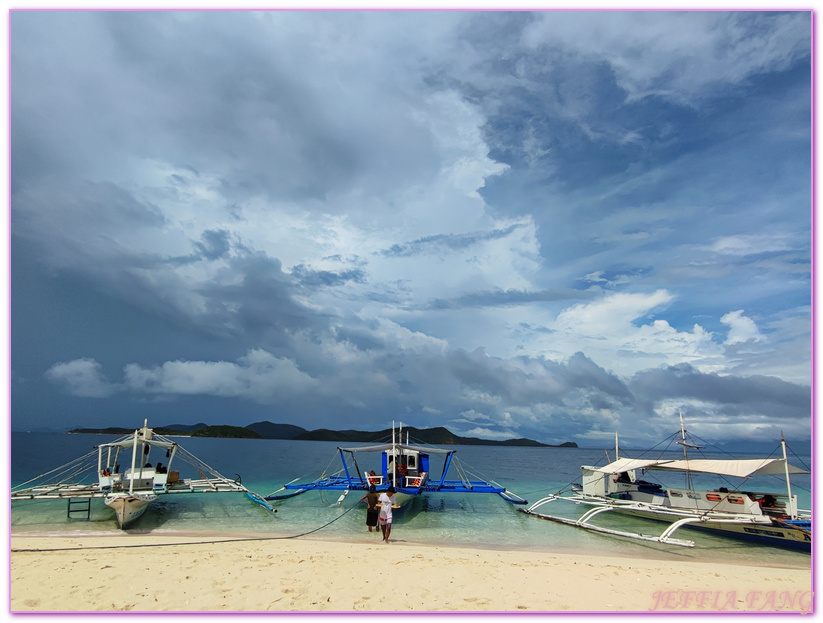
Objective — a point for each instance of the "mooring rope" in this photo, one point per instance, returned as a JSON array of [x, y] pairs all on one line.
[[264, 538]]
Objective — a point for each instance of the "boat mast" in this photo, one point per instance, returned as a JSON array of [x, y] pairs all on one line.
[[685, 453], [616, 454], [394, 456], [133, 459], [788, 481], [143, 448]]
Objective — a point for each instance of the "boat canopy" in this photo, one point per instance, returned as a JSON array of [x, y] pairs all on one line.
[[625, 465], [738, 468], [398, 446], [731, 467]]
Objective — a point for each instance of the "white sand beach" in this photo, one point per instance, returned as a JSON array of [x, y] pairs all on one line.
[[207, 573]]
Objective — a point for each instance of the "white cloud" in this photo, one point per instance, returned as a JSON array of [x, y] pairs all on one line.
[[488, 433], [612, 314], [81, 377], [258, 376], [611, 332], [678, 55], [743, 245], [741, 328]]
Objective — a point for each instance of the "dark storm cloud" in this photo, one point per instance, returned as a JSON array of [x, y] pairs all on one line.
[[204, 96], [739, 395], [261, 305], [446, 242], [309, 277], [361, 338], [526, 381], [587, 375], [74, 228], [509, 298], [214, 245], [56, 212]]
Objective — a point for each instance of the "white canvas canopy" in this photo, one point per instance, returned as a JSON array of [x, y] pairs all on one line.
[[625, 465], [743, 468], [738, 468]]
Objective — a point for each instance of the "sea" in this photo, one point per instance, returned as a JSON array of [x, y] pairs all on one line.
[[442, 519]]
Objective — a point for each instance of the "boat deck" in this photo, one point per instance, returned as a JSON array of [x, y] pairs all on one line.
[[64, 491]]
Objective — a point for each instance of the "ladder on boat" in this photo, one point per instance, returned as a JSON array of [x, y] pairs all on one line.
[[79, 505]]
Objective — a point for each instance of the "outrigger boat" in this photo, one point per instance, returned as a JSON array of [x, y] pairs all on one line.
[[404, 466], [765, 517], [128, 492]]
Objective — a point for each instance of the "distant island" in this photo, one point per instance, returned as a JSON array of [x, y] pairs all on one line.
[[439, 436]]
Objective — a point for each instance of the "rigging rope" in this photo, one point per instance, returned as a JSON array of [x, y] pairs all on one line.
[[77, 466], [267, 538], [322, 475]]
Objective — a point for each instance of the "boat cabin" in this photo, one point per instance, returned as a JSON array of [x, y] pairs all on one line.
[[621, 484], [619, 480], [140, 475], [405, 468]]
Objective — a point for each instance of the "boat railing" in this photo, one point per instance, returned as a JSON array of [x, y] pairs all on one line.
[[416, 482], [107, 481]]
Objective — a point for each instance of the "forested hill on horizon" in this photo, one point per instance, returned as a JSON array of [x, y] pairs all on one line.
[[270, 430]]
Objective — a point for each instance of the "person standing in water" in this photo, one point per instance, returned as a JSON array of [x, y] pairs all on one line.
[[372, 511], [386, 502]]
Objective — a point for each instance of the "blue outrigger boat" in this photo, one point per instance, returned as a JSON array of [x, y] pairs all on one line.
[[404, 466]]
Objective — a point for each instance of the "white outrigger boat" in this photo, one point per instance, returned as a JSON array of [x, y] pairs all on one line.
[[765, 517], [404, 466], [128, 492]]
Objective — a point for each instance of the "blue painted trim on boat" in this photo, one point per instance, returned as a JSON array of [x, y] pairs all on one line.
[[284, 496], [261, 501], [444, 486], [759, 537]]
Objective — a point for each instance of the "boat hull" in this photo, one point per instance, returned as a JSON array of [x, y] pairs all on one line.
[[764, 533], [402, 499], [128, 507]]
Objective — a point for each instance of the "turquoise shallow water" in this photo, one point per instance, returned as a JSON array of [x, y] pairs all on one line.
[[475, 520]]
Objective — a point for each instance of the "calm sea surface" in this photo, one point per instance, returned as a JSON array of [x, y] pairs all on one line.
[[483, 520]]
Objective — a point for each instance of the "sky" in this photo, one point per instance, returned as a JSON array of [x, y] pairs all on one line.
[[547, 224]]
